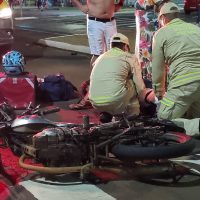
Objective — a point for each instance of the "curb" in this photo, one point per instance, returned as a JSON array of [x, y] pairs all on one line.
[[64, 46]]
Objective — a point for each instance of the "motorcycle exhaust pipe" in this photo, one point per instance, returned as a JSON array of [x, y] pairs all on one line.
[[155, 171], [137, 171], [53, 170]]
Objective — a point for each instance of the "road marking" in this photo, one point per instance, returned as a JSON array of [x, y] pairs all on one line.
[[68, 192], [63, 45], [24, 18]]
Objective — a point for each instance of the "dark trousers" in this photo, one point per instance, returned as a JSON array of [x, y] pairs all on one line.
[[198, 14]]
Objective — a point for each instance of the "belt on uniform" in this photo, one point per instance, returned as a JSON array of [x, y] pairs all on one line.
[[101, 19]]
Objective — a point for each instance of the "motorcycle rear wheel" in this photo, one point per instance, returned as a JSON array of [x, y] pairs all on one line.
[[171, 145]]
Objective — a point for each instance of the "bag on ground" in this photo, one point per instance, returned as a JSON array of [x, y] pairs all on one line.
[[56, 88]]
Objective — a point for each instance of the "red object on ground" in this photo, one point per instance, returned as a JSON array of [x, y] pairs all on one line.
[[19, 90], [11, 166], [10, 172], [76, 116]]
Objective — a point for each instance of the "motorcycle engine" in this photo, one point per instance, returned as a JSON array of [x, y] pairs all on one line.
[[56, 147]]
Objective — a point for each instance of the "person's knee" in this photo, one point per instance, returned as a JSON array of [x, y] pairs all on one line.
[[163, 113]]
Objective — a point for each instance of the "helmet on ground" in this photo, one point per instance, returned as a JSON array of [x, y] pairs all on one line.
[[13, 63], [168, 7], [118, 37]]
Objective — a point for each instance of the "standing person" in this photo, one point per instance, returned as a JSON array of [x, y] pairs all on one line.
[[116, 80], [146, 25], [101, 23], [177, 45]]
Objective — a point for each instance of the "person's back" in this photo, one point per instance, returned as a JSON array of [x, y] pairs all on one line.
[[116, 79], [177, 45], [181, 43], [109, 76]]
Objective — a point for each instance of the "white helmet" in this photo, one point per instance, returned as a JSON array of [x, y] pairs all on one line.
[[168, 7]]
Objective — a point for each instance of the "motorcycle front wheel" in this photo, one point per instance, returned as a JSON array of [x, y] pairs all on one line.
[[169, 145]]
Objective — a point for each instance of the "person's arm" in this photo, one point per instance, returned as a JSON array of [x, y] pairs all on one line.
[[118, 5], [158, 64], [137, 74], [80, 6]]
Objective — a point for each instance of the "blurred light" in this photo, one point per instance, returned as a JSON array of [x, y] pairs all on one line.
[[6, 13]]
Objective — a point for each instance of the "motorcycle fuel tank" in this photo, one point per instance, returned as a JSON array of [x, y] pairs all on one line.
[[31, 124]]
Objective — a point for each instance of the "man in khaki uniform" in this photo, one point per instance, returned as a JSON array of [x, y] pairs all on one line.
[[116, 80], [177, 45]]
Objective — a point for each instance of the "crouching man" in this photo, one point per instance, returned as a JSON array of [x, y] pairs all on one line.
[[116, 80], [177, 45]]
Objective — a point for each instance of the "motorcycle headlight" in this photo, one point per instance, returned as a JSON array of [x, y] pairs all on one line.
[[6, 13]]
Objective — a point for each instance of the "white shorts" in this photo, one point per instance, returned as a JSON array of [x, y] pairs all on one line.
[[99, 35]]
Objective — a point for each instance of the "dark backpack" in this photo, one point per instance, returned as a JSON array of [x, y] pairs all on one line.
[[56, 88]]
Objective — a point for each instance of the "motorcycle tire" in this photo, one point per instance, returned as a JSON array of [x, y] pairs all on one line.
[[175, 145]]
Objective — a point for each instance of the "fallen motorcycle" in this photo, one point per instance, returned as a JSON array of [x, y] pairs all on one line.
[[66, 148]]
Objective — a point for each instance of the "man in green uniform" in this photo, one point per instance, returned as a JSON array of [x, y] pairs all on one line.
[[116, 80], [176, 69]]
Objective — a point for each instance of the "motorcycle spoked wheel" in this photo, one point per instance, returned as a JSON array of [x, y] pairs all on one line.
[[169, 145]]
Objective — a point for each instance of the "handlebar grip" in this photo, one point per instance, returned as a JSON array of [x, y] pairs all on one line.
[[49, 111]]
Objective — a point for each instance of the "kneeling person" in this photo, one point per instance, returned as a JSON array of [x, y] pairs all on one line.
[[115, 80]]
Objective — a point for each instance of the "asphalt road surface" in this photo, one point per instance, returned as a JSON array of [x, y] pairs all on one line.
[[66, 22]]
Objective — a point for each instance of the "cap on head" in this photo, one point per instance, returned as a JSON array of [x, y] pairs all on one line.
[[118, 37], [167, 8]]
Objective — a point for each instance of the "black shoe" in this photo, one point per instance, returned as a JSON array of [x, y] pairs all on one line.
[[105, 117]]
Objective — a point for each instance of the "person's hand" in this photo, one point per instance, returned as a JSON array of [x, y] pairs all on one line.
[[146, 96], [150, 96]]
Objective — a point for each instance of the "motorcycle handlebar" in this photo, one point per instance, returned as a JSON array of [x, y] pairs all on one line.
[[49, 111], [38, 111]]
